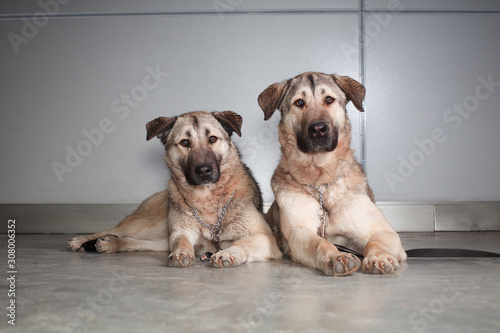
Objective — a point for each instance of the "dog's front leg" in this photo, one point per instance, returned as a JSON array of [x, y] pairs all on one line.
[[314, 251], [299, 223], [181, 249], [258, 245], [366, 225], [382, 253]]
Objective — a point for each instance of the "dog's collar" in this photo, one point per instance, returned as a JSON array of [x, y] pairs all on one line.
[[215, 229], [322, 185], [322, 210]]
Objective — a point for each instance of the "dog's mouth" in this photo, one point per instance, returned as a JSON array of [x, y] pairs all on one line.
[[317, 136]]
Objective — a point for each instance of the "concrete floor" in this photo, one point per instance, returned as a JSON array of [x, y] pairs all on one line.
[[61, 291]]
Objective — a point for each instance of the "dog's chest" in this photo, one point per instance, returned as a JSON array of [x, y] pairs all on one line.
[[226, 221], [335, 196]]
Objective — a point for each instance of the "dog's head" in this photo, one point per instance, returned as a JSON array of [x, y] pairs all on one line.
[[312, 108], [197, 144]]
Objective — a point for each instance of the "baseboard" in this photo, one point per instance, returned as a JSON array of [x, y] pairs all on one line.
[[64, 218], [467, 216], [403, 216], [443, 216]]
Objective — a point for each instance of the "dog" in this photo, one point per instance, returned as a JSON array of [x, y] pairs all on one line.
[[321, 192], [212, 203]]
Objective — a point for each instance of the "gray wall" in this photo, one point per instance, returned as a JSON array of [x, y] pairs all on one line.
[[74, 69]]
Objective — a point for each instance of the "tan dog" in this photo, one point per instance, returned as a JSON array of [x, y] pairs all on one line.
[[212, 202], [321, 192]]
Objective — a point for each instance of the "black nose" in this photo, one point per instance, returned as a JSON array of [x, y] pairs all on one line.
[[318, 130], [204, 170]]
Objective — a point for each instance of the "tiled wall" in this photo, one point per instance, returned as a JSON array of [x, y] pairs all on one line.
[[79, 80]]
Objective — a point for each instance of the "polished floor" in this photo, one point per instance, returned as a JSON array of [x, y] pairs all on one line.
[[61, 291]]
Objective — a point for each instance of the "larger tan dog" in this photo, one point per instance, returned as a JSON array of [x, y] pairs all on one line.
[[212, 202], [321, 192]]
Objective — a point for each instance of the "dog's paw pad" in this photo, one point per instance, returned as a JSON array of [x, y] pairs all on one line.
[[382, 264], [180, 259], [225, 259], [342, 264]]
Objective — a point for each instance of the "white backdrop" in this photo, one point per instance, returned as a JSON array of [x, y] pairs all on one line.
[[80, 79]]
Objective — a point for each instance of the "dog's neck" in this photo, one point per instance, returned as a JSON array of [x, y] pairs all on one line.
[[316, 168], [179, 189]]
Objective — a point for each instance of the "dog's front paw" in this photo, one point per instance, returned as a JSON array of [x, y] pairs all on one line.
[[380, 264], [107, 244], [340, 264], [225, 259], [75, 243], [181, 258]]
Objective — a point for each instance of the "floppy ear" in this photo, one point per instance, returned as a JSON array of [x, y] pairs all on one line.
[[353, 90], [160, 127], [270, 99], [230, 121]]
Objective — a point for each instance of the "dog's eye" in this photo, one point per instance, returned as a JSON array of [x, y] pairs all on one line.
[[299, 103], [329, 100], [184, 143], [213, 139]]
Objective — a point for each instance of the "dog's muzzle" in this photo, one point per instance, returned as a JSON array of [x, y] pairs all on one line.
[[203, 174], [318, 136], [203, 169]]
